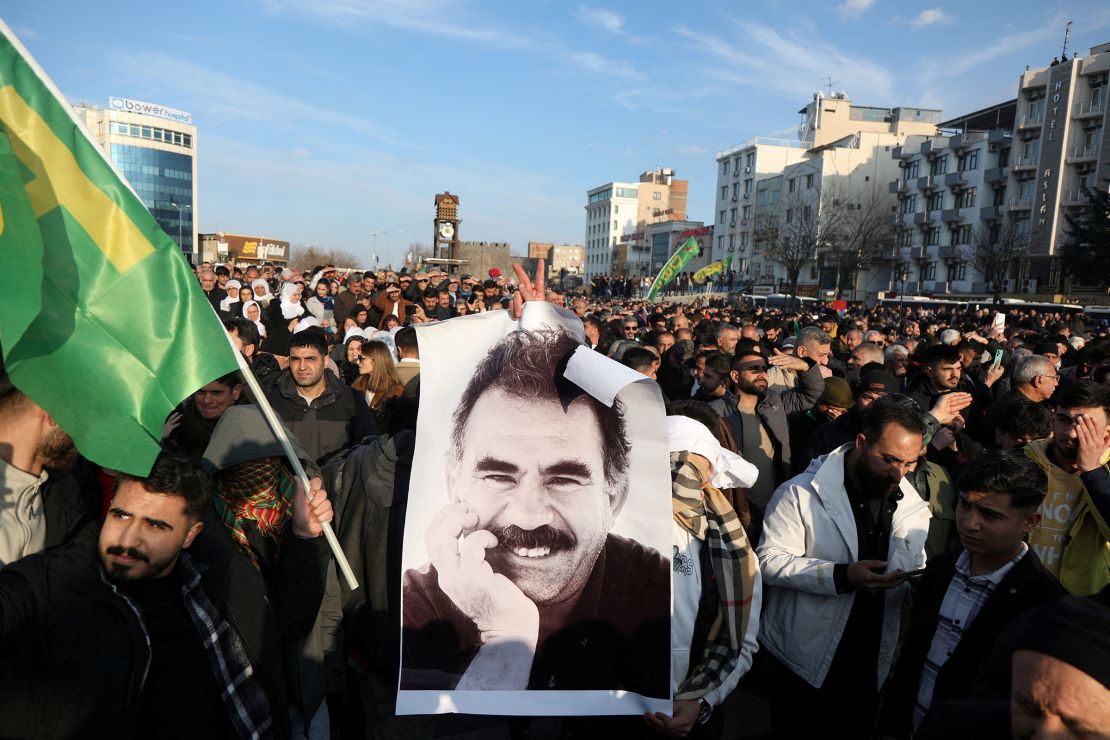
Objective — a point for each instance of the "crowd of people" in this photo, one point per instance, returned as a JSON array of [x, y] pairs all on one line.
[[887, 523]]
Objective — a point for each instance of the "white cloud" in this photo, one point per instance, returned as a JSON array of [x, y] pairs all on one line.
[[214, 93], [930, 17], [600, 18], [854, 8], [593, 62], [435, 17], [789, 63]]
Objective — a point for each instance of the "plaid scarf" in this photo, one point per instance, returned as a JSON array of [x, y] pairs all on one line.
[[708, 516], [243, 697], [259, 491]]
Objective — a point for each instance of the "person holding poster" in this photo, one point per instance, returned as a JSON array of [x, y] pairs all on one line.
[[515, 579]]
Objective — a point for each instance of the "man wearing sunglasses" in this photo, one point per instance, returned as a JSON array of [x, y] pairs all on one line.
[[757, 417]]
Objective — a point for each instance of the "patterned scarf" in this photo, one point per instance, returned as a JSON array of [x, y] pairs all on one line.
[[708, 516], [259, 491]]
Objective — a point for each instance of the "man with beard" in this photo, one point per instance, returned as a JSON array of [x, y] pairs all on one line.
[[126, 632], [189, 428], [538, 593], [1073, 539], [40, 504], [837, 540], [757, 417]]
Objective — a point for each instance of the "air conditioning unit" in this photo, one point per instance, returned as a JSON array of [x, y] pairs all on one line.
[[1029, 286], [1009, 286], [732, 224], [734, 199], [748, 170], [747, 195]]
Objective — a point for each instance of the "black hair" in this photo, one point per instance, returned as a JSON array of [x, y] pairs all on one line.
[[1020, 418], [405, 339], [879, 416], [430, 293], [941, 354], [746, 346], [1085, 394], [718, 362], [246, 329], [530, 365], [311, 337], [175, 474], [639, 359], [1002, 471], [740, 358]]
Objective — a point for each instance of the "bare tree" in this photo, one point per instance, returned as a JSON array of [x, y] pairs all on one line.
[[859, 229], [305, 257], [996, 247], [790, 233]]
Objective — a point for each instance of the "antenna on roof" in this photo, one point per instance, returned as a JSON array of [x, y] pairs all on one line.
[[829, 82], [1064, 52]]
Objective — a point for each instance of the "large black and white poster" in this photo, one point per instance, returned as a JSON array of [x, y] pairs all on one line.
[[536, 554]]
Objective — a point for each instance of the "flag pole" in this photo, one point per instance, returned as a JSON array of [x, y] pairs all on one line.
[[298, 469]]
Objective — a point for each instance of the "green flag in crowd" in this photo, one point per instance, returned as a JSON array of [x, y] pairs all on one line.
[[678, 260], [101, 321]]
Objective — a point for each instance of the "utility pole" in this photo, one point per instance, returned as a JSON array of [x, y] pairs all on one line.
[[1064, 51]]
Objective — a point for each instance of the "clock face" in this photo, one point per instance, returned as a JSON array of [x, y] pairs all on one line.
[[446, 230]]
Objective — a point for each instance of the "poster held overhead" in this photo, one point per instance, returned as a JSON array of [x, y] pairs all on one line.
[[535, 570]]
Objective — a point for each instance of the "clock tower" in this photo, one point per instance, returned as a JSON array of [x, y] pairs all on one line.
[[446, 226]]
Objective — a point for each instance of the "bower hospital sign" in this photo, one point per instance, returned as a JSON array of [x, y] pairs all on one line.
[[126, 105]]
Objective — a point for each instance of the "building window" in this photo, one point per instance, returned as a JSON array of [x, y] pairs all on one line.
[[724, 192], [932, 236], [913, 170], [970, 161], [809, 182], [732, 214], [967, 200], [939, 166], [930, 272], [909, 204], [961, 271], [935, 202], [746, 213], [791, 185], [735, 190], [657, 195], [724, 167], [721, 220], [748, 186]]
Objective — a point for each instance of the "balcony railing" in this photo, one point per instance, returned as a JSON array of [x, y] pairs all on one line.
[[1076, 197], [1091, 108], [1031, 121], [1090, 151], [1020, 204], [1024, 163]]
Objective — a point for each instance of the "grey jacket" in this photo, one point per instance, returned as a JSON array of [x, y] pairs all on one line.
[[773, 410]]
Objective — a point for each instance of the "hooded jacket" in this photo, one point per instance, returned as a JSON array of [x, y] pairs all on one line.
[[1084, 566]]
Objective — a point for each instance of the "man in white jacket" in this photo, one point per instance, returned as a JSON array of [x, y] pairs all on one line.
[[838, 543], [715, 581]]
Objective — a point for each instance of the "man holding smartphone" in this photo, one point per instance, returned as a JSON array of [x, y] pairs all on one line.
[[966, 598]]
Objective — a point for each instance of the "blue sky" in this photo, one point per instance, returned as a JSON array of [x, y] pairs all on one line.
[[321, 121]]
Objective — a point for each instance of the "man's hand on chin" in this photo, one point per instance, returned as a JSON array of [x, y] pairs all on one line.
[[508, 621]]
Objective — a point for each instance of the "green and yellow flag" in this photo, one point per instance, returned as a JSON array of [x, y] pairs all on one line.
[[712, 269], [101, 320], [678, 260]]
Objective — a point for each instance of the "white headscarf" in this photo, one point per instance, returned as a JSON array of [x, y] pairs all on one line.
[[729, 469], [225, 304], [259, 324], [304, 323], [354, 331], [290, 310], [265, 297]]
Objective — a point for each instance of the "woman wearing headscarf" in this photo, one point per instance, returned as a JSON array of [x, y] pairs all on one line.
[[261, 290], [321, 305], [229, 304], [253, 311], [282, 316]]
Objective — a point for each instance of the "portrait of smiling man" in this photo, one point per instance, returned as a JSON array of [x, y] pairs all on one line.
[[526, 586]]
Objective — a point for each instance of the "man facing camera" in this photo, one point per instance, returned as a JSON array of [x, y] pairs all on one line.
[[537, 593]]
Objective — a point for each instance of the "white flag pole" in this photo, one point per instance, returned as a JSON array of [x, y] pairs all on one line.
[[298, 469]]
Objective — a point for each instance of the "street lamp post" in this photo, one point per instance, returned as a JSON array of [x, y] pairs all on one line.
[[180, 213]]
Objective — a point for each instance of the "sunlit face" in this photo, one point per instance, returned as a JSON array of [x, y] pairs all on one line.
[[306, 366], [1065, 438], [144, 533], [207, 279], [945, 375], [260, 290], [245, 294], [542, 494], [215, 398], [354, 349], [1054, 699], [820, 353], [254, 313], [666, 341], [989, 526], [727, 341], [323, 289]]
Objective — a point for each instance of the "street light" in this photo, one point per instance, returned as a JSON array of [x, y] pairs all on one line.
[[180, 212]]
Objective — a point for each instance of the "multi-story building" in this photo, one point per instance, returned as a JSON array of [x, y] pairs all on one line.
[[951, 191], [559, 257], [154, 147], [1061, 148], [761, 178], [1029, 163], [617, 217], [666, 237]]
